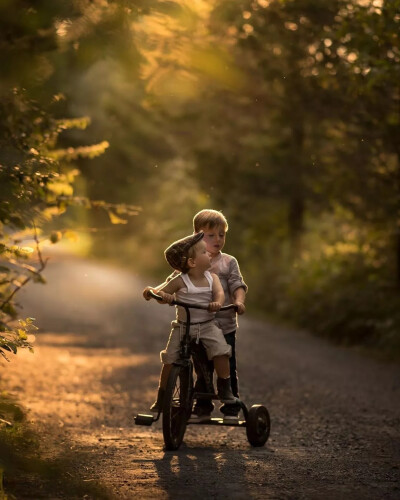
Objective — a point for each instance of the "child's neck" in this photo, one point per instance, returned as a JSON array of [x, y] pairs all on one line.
[[195, 274], [215, 255]]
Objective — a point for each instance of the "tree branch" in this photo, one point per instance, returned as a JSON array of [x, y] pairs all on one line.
[[42, 262]]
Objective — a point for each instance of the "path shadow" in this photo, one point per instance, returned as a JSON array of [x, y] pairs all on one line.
[[218, 474], [24, 471]]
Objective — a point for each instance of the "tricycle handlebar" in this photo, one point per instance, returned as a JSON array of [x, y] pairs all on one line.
[[191, 306]]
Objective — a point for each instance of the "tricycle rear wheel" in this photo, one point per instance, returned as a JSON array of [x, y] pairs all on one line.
[[258, 425]]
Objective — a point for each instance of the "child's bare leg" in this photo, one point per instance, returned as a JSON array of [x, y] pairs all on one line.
[[158, 403], [221, 365], [165, 371]]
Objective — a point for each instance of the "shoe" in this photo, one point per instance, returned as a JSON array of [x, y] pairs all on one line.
[[202, 406], [201, 414], [230, 413], [200, 418], [157, 406], [225, 392], [231, 419]]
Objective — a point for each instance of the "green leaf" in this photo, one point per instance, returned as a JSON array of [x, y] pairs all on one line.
[[22, 334], [38, 278]]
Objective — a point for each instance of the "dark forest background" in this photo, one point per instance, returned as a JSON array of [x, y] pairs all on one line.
[[119, 120]]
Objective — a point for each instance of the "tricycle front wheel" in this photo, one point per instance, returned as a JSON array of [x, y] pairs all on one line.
[[258, 425], [177, 406]]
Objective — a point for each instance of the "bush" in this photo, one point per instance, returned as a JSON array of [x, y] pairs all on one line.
[[338, 295]]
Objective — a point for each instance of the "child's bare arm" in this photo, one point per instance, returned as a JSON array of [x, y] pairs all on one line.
[[168, 289], [155, 289], [218, 295], [239, 297]]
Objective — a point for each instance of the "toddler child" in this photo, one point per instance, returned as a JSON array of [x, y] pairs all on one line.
[[194, 285]]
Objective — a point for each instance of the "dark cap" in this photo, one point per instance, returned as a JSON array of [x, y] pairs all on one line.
[[177, 254]]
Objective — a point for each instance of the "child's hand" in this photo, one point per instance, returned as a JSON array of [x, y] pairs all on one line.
[[241, 307], [167, 298], [214, 306], [146, 292]]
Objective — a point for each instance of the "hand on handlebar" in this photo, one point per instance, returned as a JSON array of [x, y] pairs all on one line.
[[241, 308], [214, 306], [146, 291], [167, 297]]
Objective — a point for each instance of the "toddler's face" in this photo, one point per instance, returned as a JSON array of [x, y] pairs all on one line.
[[202, 259], [214, 239]]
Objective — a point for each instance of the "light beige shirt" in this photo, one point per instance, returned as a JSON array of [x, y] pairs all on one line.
[[226, 267]]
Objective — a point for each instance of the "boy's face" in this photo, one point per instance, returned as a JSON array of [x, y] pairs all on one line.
[[214, 239]]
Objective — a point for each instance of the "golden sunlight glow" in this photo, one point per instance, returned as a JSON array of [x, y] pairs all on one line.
[[312, 49], [248, 28], [26, 249], [291, 26], [61, 188], [352, 57], [62, 28], [181, 58], [372, 5], [21, 250], [263, 3]]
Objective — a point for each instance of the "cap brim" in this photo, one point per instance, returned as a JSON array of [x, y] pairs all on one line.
[[197, 237]]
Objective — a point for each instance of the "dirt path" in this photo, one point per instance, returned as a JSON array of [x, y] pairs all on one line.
[[335, 415]]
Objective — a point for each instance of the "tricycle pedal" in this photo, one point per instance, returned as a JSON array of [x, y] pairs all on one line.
[[144, 419]]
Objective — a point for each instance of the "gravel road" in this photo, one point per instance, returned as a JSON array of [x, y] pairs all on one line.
[[335, 413]]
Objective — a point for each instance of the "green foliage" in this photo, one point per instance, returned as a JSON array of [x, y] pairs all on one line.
[[34, 188], [13, 339], [37, 175], [338, 286], [334, 298], [312, 131]]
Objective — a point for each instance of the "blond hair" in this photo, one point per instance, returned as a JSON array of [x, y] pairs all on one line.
[[209, 218]]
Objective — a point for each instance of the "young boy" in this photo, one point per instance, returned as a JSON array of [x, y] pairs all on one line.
[[194, 285], [214, 226]]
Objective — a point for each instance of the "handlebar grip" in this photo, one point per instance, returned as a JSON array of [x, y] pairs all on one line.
[[229, 306], [154, 295]]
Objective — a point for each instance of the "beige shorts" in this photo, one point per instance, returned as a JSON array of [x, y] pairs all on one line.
[[211, 336]]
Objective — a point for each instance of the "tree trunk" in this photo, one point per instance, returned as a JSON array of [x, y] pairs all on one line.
[[297, 200], [397, 235]]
